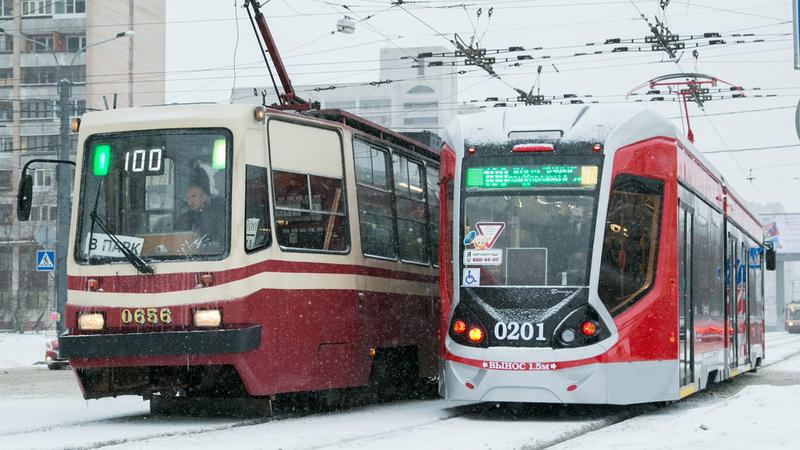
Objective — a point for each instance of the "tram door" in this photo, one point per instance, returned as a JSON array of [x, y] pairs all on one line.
[[730, 304], [685, 322], [742, 314]]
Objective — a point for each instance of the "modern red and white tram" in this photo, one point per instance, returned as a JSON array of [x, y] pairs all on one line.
[[309, 264], [594, 257]]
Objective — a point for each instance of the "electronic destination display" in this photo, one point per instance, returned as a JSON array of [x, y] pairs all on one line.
[[531, 177]]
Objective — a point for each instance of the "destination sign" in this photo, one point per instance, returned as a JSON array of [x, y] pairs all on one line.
[[531, 177]]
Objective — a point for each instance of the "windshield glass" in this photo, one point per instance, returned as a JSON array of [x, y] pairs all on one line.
[[164, 194], [530, 239], [794, 314]]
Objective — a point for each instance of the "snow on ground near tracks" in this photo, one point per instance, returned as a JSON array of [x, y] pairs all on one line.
[[23, 350], [758, 416]]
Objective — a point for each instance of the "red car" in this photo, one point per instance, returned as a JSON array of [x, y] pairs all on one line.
[[51, 357]]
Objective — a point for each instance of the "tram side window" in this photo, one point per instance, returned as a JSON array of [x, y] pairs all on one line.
[[258, 233], [376, 218], [409, 186], [433, 213], [309, 211], [308, 187], [628, 260]]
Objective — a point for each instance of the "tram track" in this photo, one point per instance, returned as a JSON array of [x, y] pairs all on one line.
[[555, 424]]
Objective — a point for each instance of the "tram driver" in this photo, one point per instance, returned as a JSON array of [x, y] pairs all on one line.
[[203, 215]]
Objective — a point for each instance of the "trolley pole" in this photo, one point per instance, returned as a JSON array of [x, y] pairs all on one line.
[[64, 203]]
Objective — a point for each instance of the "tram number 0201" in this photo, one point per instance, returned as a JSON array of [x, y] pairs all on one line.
[[514, 331], [143, 316]]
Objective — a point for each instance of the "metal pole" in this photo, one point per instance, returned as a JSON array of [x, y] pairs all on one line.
[[780, 299], [64, 201]]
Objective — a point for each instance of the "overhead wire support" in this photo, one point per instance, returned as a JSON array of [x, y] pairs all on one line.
[[475, 56]]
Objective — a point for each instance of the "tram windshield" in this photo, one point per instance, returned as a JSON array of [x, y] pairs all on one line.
[[528, 239], [161, 194], [794, 314]]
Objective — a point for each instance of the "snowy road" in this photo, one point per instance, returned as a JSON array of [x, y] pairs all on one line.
[[44, 409]]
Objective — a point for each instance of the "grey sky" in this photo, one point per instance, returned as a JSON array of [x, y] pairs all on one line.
[[201, 38]]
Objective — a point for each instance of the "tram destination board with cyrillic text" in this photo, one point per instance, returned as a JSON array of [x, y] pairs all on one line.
[[531, 177]]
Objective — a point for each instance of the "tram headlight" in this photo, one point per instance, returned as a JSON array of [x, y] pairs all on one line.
[[589, 328], [467, 329], [91, 322], [568, 336], [476, 334], [207, 318]]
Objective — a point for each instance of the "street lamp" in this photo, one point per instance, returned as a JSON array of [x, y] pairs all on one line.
[[62, 175]]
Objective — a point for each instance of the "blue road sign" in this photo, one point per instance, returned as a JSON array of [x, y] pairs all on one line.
[[45, 260]]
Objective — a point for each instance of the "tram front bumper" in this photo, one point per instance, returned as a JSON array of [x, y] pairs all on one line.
[[597, 383], [199, 342]]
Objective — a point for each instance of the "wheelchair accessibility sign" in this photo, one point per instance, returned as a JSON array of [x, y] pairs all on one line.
[[45, 260], [472, 277]]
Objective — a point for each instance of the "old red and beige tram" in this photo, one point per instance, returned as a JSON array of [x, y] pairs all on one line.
[[237, 250], [594, 257]]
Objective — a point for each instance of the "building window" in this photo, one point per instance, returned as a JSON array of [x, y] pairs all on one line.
[[427, 121], [346, 105], [77, 108], [39, 75], [6, 43], [7, 8], [37, 110], [40, 143], [76, 43], [37, 7], [69, 7], [421, 90], [5, 270], [51, 74], [5, 179], [6, 111], [6, 144], [43, 178], [39, 43], [421, 105], [6, 213], [44, 213], [376, 103]]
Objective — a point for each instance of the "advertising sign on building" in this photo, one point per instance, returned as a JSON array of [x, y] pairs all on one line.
[[783, 230]]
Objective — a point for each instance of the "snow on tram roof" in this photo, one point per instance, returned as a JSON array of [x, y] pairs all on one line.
[[584, 123]]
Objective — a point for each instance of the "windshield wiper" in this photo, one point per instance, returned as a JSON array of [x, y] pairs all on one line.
[[135, 260]]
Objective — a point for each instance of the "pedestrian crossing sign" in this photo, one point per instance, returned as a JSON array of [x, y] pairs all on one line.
[[45, 260]]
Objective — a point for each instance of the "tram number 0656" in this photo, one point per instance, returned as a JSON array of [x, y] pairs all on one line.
[[514, 331], [142, 316]]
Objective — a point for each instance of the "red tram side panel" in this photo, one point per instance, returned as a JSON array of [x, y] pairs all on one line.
[[659, 316]]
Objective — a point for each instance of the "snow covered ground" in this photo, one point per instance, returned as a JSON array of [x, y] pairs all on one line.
[[758, 416], [44, 409], [23, 350]]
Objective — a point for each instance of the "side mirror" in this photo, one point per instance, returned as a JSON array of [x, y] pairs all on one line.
[[24, 197], [771, 258]]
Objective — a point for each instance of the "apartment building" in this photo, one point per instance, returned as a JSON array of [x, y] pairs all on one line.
[[109, 51]]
